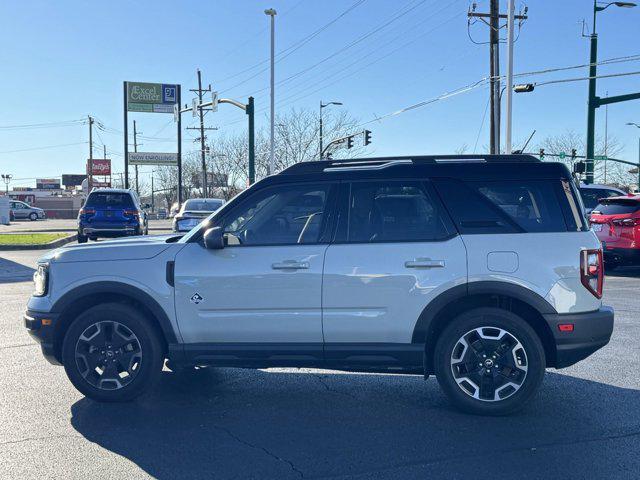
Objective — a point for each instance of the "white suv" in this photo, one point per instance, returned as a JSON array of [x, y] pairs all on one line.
[[480, 270]]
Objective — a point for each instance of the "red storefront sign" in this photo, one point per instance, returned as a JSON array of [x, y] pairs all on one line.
[[99, 166]]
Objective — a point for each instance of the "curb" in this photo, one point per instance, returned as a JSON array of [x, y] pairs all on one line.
[[45, 246]]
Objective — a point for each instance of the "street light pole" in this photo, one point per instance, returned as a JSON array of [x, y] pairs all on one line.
[[324, 105], [592, 102], [272, 13], [509, 102]]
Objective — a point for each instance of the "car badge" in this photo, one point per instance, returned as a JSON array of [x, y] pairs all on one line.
[[196, 298]]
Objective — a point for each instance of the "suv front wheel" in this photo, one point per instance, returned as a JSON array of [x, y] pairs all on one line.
[[112, 353], [489, 361]]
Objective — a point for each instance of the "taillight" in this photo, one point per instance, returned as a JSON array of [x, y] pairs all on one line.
[[131, 213], [591, 271], [626, 222], [87, 211]]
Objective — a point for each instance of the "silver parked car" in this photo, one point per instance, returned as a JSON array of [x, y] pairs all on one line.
[[21, 210], [193, 211]]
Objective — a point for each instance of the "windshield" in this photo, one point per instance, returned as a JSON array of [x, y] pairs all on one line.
[[208, 205]]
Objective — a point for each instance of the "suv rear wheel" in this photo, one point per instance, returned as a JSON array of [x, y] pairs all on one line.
[[489, 362], [111, 353]]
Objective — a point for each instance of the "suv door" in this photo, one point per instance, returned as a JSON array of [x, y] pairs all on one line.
[[20, 210], [264, 287], [395, 250]]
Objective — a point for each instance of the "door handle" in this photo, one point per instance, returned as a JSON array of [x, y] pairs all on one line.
[[290, 265], [424, 263]]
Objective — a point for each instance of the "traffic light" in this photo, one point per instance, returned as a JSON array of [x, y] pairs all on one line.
[[579, 167], [541, 154], [350, 142], [367, 137], [573, 153]]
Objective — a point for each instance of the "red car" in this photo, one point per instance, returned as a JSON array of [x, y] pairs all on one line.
[[616, 221]]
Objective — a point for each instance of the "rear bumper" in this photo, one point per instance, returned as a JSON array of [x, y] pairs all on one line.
[[591, 331], [623, 256], [110, 231], [42, 332]]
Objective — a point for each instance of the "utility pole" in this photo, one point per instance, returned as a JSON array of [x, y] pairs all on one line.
[[135, 149], [492, 20], [324, 105], [201, 111], [90, 137], [272, 13]]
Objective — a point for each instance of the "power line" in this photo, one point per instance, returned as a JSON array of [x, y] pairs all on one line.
[[44, 148], [65, 123], [399, 14], [281, 55]]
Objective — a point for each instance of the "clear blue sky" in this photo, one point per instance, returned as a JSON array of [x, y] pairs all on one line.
[[64, 60]]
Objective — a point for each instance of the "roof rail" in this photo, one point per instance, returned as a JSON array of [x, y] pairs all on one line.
[[365, 165], [343, 165]]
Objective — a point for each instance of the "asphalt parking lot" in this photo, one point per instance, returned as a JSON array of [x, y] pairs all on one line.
[[300, 423]]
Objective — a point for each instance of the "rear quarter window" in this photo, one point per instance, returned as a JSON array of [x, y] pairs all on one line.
[[507, 206]]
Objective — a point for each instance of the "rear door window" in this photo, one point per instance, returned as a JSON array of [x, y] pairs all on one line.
[[109, 200], [392, 211]]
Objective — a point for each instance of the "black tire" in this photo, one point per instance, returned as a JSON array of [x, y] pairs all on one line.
[[82, 238], [462, 327], [33, 216], [148, 348]]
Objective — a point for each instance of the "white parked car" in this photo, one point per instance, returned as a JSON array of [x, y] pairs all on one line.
[[480, 270], [193, 211]]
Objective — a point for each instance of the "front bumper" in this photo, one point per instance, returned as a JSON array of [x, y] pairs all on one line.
[[41, 327], [591, 331]]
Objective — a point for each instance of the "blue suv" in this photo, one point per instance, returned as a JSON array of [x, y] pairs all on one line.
[[111, 212]]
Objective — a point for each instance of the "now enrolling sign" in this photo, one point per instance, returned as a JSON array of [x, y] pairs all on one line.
[[153, 158]]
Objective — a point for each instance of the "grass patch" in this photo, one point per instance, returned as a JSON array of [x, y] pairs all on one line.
[[30, 238]]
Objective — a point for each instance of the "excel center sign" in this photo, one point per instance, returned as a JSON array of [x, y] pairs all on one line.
[[151, 97]]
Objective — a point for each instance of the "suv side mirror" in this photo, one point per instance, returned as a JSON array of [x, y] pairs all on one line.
[[214, 238]]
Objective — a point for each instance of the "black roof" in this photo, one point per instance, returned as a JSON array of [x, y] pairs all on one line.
[[469, 167]]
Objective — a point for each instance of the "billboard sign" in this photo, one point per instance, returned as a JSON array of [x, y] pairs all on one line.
[[99, 166], [153, 158], [48, 184], [72, 180], [151, 97]]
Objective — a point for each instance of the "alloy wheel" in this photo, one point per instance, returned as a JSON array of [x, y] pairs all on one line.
[[489, 364], [108, 355]]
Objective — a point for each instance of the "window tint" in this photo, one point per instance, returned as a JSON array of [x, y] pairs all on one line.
[[392, 212], [617, 207], [282, 215], [471, 212], [113, 200], [532, 204]]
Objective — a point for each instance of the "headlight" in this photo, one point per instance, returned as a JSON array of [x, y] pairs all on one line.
[[41, 280]]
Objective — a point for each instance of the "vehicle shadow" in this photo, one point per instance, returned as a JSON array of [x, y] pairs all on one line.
[[274, 424], [13, 272], [623, 272]]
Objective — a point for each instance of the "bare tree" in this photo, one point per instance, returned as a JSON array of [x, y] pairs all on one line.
[[604, 172]]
